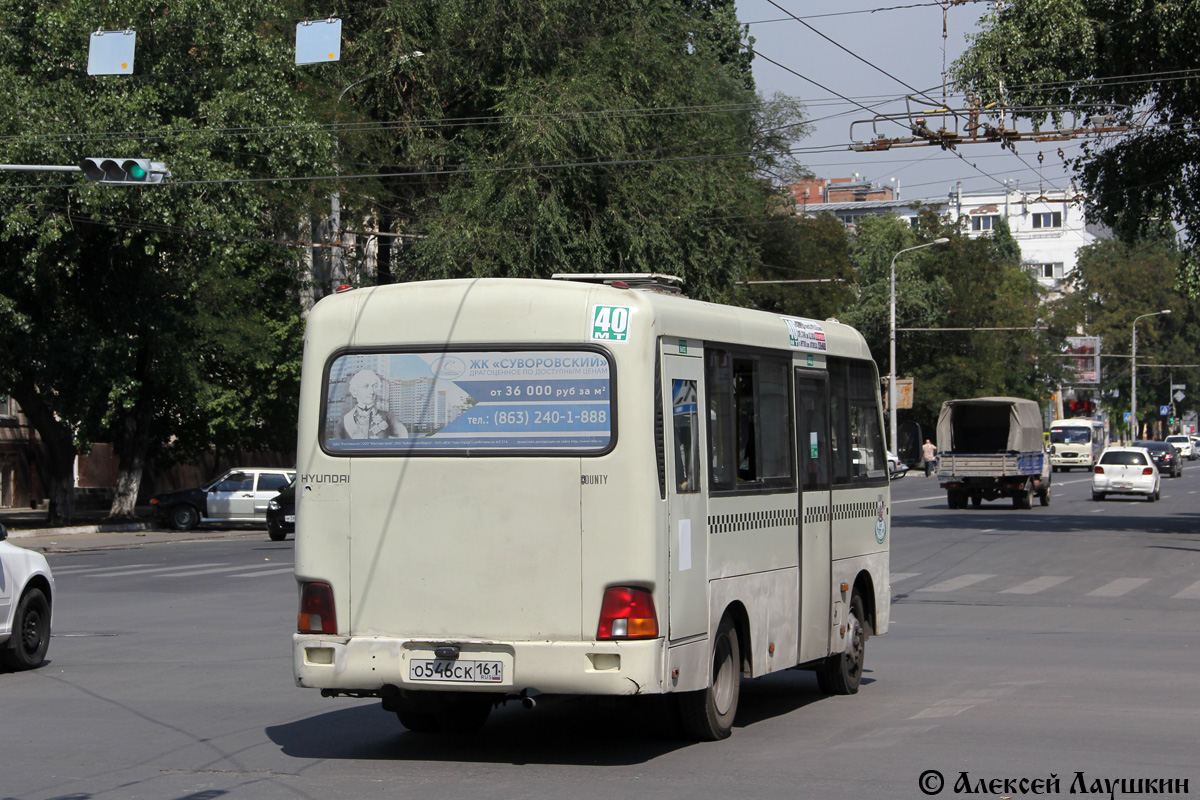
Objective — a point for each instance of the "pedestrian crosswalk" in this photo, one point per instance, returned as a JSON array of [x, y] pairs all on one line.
[[999, 584], [157, 571]]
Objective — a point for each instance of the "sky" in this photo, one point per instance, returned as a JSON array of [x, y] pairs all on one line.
[[904, 39]]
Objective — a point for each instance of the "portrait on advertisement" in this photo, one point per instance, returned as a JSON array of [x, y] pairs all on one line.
[[369, 417]]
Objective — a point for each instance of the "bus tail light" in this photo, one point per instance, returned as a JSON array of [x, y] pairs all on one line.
[[316, 609], [627, 613]]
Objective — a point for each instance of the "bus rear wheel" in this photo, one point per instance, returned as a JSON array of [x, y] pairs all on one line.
[[708, 715], [841, 673], [444, 712]]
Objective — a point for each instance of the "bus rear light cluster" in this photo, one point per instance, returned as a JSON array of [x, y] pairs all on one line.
[[627, 613], [317, 613]]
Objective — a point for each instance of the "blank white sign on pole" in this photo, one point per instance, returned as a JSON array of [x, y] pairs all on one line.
[[111, 53], [319, 41]]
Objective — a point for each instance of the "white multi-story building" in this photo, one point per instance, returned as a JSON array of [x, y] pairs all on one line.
[[1049, 226]]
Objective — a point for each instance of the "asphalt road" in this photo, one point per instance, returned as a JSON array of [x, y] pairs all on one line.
[[1025, 645]]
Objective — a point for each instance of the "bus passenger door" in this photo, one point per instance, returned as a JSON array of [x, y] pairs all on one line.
[[687, 524], [812, 432]]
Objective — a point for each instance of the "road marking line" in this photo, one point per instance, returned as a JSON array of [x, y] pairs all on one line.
[[1118, 587], [81, 569], [903, 576], [1190, 593], [1036, 585], [265, 572], [192, 572], [956, 583], [950, 708], [125, 572]]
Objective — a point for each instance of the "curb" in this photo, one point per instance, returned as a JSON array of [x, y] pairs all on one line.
[[129, 527]]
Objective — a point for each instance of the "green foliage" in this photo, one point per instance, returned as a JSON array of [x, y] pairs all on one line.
[[173, 303], [966, 283], [1130, 63], [568, 136], [1113, 284], [801, 248]]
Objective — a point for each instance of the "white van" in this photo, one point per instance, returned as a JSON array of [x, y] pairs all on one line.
[[1075, 443], [586, 486]]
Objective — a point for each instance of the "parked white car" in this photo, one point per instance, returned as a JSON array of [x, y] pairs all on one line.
[[1184, 445], [240, 495], [26, 594], [1126, 470]]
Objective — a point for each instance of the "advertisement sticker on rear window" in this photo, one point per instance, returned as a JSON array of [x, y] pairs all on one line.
[[528, 400]]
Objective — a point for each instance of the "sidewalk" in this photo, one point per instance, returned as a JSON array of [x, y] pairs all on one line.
[[29, 521], [91, 530]]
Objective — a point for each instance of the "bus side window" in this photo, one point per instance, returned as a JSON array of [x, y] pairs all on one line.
[[750, 421], [685, 445], [840, 447], [719, 382], [864, 420]]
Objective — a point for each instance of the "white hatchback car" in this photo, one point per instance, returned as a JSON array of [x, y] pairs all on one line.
[[26, 592], [1125, 470]]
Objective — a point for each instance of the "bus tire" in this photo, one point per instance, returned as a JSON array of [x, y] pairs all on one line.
[[842, 673], [417, 721], [708, 715], [464, 712]]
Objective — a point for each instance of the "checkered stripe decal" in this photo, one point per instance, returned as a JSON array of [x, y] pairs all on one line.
[[861, 510], [753, 520]]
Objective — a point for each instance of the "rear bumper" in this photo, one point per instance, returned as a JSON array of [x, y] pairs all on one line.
[[370, 663], [1136, 488]]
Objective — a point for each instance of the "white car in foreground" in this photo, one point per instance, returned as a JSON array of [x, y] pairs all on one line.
[[26, 592], [1125, 470]]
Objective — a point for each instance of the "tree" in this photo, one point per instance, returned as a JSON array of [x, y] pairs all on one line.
[[801, 249], [566, 136], [968, 283], [146, 315], [1110, 63], [1114, 283]]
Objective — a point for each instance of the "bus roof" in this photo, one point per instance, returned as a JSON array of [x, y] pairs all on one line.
[[539, 311]]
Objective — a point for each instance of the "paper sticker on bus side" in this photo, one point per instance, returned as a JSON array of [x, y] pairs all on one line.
[[805, 334]]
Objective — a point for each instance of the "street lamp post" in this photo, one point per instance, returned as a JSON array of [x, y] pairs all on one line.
[[892, 394], [1133, 423]]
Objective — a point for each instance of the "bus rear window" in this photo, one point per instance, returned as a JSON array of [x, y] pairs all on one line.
[[468, 401]]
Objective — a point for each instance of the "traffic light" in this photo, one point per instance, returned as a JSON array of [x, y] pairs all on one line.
[[125, 170]]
